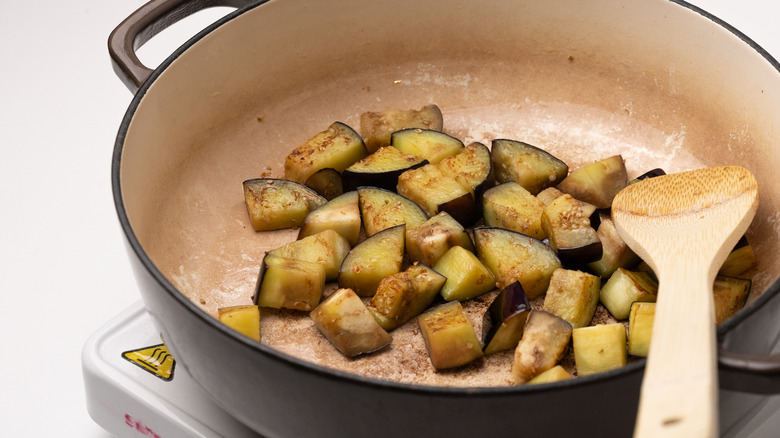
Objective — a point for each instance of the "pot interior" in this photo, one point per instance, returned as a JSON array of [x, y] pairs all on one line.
[[654, 81]]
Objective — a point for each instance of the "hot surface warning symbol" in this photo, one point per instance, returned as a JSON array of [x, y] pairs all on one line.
[[155, 359]]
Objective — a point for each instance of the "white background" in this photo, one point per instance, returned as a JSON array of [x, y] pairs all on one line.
[[64, 270]]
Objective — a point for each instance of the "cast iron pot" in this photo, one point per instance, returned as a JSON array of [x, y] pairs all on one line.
[[661, 82]]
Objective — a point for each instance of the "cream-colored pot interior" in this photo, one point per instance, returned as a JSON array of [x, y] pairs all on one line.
[[651, 80]]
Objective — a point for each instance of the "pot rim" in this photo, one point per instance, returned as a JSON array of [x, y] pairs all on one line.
[[147, 263]]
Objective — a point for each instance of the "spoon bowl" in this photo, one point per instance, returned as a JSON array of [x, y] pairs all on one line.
[[684, 225]]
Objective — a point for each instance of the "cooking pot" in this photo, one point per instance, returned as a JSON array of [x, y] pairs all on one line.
[[661, 82]]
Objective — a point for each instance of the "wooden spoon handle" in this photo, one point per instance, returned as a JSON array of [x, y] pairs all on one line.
[[679, 395]]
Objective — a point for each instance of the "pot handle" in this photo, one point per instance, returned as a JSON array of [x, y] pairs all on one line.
[[749, 373], [146, 22]]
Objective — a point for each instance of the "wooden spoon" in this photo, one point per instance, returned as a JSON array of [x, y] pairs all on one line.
[[684, 225]]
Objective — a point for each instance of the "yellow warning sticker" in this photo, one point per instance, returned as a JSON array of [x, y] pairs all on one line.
[[155, 359]]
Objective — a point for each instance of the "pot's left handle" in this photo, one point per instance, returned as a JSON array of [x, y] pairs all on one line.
[[145, 23]]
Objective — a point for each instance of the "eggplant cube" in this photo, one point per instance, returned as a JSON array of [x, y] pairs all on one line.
[[640, 328], [287, 283], [376, 127], [544, 343], [554, 374], [449, 336], [427, 242], [326, 247], [467, 277], [244, 319], [597, 183], [599, 348], [340, 214], [504, 320], [510, 206], [730, 295], [625, 287], [402, 296], [274, 204], [337, 147], [373, 259], [472, 168], [740, 260], [381, 209], [380, 169], [430, 144], [346, 322], [567, 224], [573, 295], [533, 168], [435, 192]]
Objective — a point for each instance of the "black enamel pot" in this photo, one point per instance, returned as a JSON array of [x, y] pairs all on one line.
[[661, 82]]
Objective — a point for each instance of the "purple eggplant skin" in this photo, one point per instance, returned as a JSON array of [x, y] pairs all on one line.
[[503, 323], [326, 182], [649, 174], [581, 255], [387, 180]]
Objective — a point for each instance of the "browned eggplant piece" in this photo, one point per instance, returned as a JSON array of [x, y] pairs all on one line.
[[511, 206], [554, 374], [512, 256], [402, 296], [337, 147], [545, 340], [467, 277], [740, 260], [346, 322], [533, 168], [244, 319], [435, 192], [567, 223], [326, 247], [649, 174], [449, 336], [599, 348], [573, 296], [432, 145], [326, 182], [640, 328], [340, 214], [380, 169], [548, 195], [597, 183], [730, 295], [373, 259], [274, 204], [286, 283], [472, 167], [504, 320], [625, 287], [615, 252], [376, 127], [381, 209], [428, 242]]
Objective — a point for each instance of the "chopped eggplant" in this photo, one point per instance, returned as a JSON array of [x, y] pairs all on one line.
[[449, 336], [472, 167], [533, 168], [740, 260], [340, 214], [512, 256], [337, 147], [597, 183], [649, 174], [467, 277], [402, 296], [554, 374], [373, 259], [548, 195], [377, 126], [730, 295], [381, 209], [573, 296], [427, 242], [567, 223], [380, 169], [510, 206], [244, 319], [599, 348], [545, 340], [615, 253], [326, 182], [274, 204], [326, 247], [286, 283], [640, 328], [504, 320], [435, 192], [625, 287], [346, 322], [432, 145]]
